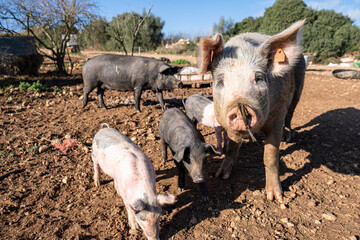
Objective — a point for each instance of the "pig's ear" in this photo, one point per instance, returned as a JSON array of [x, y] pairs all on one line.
[[209, 47], [210, 150], [283, 50], [163, 199], [138, 205], [183, 151], [164, 68]]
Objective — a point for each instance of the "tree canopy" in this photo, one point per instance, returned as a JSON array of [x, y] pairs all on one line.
[[326, 33]]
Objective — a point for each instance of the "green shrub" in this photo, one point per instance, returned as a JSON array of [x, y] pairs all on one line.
[[9, 87], [56, 90], [37, 87], [24, 85], [181, 61]]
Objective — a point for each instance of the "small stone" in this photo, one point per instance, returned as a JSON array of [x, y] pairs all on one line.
[[330, 217], [67, 136], [65, 180], [256, 193], [284, 220], [43, 148], [317, 222], [290, 224], [133, 139], [353, 237], [283, 206], [330, 182], [312, 203], [81, 97]]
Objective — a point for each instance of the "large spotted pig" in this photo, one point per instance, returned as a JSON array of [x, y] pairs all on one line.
[[134, 179], [258, 80]]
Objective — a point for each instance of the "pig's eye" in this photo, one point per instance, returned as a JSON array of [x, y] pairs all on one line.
[[259, 77], [220, 80]]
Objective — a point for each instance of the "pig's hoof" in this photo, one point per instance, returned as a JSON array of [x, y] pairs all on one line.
[[223, 173], [287, 135], [205, 198], [277, 196]]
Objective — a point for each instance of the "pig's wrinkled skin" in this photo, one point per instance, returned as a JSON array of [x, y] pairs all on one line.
[[200, 109], [134, 179], [188, 147], [245, 71], [128, 73]]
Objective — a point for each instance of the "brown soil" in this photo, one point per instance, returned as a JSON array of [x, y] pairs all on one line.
[[51, 195]]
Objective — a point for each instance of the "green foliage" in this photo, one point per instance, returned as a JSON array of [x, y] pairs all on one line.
[[117, 35], [9, 87], [9, 100], [326, 33], [56, 90], [37, 87], [24, 85], [150, 35], [181, 61], [94, 35]]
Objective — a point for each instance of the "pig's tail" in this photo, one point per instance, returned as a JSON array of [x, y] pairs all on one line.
[[103, 125]]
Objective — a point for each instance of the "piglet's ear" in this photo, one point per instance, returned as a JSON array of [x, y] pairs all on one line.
[[283, 50], [209, 47], [163, 199], [138, 205], [183, 151]]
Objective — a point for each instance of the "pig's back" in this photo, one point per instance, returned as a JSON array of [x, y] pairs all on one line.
[[176, 128], [118, 156]]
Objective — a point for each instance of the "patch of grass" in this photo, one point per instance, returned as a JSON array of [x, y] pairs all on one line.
[[37, 87], [56, 90], [9, 87], [24, 85], [181, 61], [9, 100]]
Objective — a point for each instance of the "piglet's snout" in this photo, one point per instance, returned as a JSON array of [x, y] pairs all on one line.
[[198, 179], [234, 119]]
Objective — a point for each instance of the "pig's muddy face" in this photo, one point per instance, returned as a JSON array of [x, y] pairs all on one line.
[[240, 96]]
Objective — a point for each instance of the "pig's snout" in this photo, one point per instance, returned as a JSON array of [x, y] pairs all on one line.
[[235, 119], [198, 179]]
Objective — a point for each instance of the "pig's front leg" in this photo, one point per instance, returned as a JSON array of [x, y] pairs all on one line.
[[219, 139], [271, 162], [204, 191], [232, 150], [132, 221], [159, 96], [96, 173], [100, 94], [137, 96], [164, 150], [181, 178]]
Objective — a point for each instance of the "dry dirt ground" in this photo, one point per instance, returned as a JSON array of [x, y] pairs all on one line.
[[48, 193]]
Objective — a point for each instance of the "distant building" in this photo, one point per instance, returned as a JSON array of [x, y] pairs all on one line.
[[72, 44], [19, 56]]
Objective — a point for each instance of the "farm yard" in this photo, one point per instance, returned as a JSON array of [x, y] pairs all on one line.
[[46, 173]]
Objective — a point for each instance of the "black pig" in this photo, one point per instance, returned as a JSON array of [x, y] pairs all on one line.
[[126, 73], [188, 147]]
